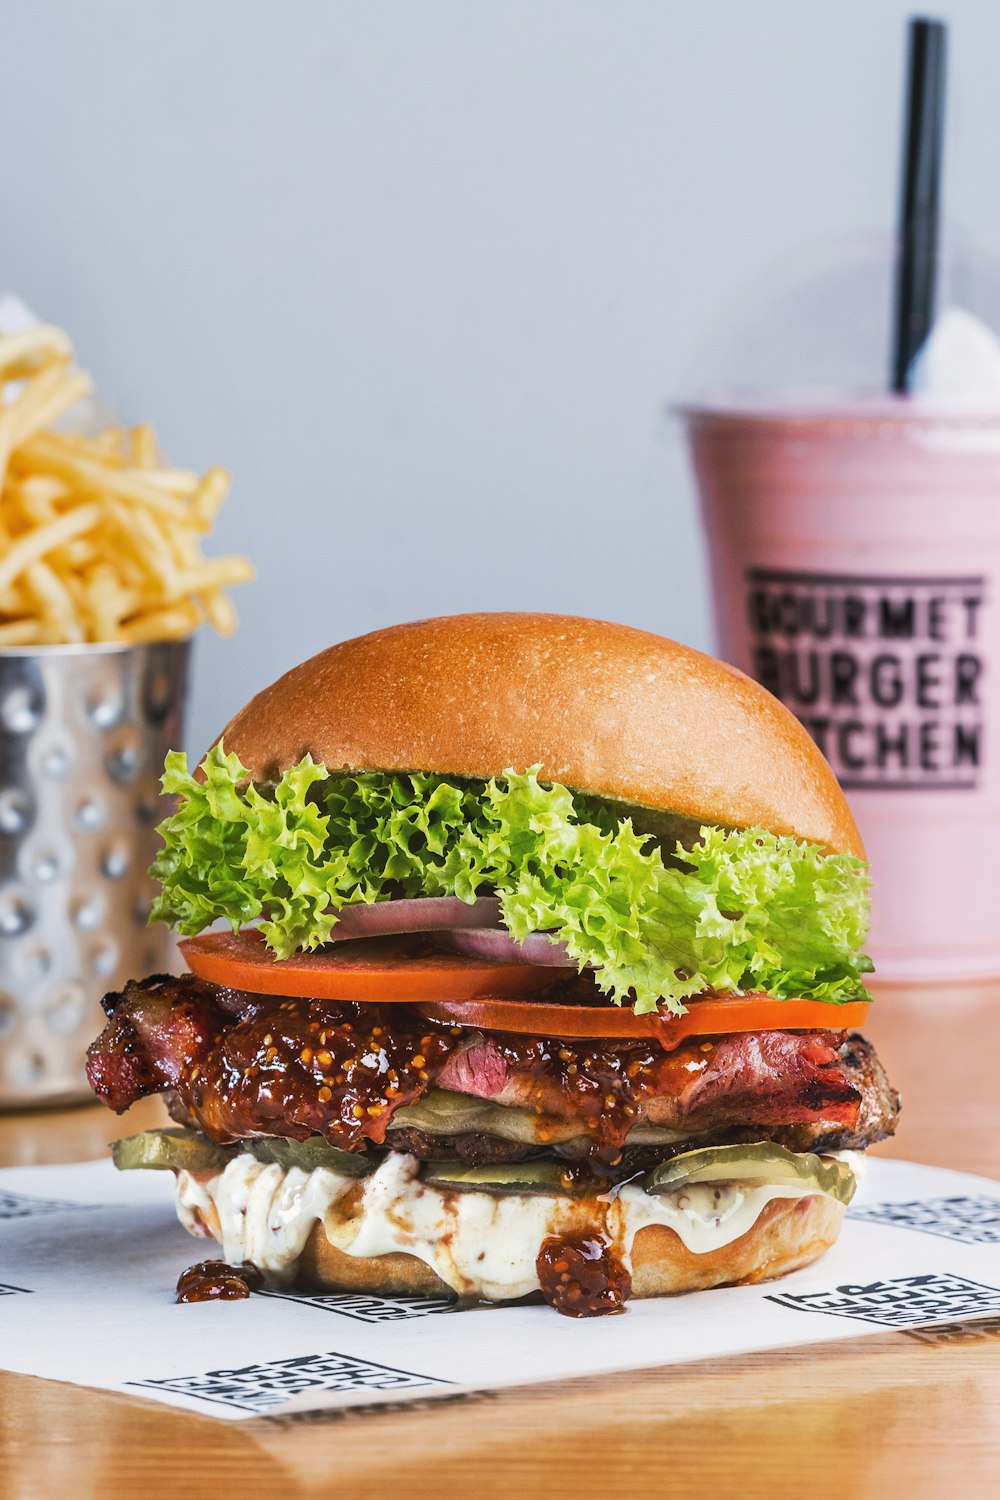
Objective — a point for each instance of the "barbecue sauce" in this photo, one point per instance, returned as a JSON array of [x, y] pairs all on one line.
[[315, 1067], [582, 1275], [599, 1085], [299, 1068], [216, 1281], [263, 1066], [341, 1071]]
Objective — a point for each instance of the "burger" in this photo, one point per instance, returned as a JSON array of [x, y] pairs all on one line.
[[525, 956]]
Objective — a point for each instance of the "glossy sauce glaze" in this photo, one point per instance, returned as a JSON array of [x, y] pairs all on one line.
[[245, 1066], [340, 1071], [480, 1245], [217, 1281], [296, 1068], [600, 1085], [583, 1275]]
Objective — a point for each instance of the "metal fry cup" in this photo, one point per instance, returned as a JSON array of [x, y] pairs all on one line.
[[83, 734]]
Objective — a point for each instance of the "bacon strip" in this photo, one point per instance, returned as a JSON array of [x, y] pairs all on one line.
[[762, 1078], [244, 1065]]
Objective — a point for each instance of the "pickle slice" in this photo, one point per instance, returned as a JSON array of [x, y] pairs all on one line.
[[758, 1164], [309, 1155], [440, 1112], [181, 1150], [169, 1150], [542, 1176]]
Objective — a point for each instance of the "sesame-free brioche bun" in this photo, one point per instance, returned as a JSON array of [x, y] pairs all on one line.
[[607, 709], [788, 1233]]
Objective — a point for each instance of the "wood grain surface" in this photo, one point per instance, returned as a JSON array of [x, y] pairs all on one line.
[[880, 1416]]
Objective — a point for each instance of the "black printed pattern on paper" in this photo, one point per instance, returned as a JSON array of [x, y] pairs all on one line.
[[12, 1291], [888, 674], [972, 1331], [972, 1220], [257, 1388], [359, 1410], [903, 1299], [369, 1309], [21, 1206]]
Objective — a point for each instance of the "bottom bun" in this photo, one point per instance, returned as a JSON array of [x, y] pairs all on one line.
[[788, 1233]]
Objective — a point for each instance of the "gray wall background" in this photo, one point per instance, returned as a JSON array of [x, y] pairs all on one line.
[[423, 274]]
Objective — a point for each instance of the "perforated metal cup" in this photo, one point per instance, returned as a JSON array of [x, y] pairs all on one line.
[[83, 734]]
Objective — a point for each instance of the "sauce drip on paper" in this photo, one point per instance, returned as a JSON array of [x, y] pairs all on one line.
[[217, 1281]]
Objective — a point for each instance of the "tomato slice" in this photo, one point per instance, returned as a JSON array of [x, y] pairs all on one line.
[[383, 969], [708, 1017], [462, 991]]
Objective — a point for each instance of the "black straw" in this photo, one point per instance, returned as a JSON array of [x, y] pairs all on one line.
[[916, 255]]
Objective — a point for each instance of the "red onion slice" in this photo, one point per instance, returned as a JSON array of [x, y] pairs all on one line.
[[501, 948], [421, 914]]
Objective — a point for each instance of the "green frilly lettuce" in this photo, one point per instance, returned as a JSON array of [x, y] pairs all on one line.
[[737, 911]]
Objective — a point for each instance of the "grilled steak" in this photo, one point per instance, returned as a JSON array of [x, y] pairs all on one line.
[[241, 1066]]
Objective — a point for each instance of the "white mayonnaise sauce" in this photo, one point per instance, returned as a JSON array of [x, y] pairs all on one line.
[[480, 1244], [856, 1160]]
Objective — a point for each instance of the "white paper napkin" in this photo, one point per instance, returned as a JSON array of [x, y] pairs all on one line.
[[89, 1258]]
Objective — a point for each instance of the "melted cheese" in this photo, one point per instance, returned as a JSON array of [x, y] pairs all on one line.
[[481, 1245]]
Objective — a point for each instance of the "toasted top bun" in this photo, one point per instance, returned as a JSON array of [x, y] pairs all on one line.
[[602, 708]]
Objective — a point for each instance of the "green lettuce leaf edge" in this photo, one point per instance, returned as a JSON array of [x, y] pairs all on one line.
[[744, 910]]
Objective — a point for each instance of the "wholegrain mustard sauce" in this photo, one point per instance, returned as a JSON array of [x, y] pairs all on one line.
[[481, 1245]]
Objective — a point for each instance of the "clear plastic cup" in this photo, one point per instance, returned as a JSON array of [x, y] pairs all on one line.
[[855, 560], [854, 548]]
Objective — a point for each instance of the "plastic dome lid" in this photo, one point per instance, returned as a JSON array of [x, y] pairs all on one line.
[[815, 333]]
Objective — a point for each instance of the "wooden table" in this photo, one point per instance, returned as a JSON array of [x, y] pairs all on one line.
[[881, 1416]]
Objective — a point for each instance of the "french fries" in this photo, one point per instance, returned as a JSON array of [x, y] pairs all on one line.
[[100, 540]]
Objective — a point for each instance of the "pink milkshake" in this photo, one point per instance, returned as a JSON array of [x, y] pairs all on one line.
[[855, 554]]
